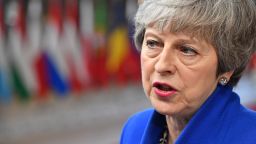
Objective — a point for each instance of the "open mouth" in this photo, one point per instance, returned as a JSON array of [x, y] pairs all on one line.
[[163, 87]]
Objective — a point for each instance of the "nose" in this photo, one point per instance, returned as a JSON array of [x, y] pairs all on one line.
[[165, 64]]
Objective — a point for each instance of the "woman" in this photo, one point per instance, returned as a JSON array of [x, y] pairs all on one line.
[[193, 52]]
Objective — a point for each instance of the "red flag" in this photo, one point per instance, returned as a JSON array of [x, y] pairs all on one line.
[[122, 61], [132, 58], [98, 63], [118, 48], [71, 45], [34, 29], [57, 68], [86, 27], [42, 76], [252, 64]]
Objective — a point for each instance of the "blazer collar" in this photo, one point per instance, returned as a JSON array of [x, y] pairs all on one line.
[[209, 123]]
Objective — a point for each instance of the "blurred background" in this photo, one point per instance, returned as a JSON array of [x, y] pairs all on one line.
[[69, 71]]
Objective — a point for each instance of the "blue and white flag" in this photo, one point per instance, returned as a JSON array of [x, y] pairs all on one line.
[[5, 87]]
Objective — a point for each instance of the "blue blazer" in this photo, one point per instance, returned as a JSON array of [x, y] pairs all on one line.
[[220, 120]]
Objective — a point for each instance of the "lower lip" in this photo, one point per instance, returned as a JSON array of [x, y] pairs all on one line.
[[164, 93]]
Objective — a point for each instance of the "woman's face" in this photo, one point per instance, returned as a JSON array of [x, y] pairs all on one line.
[[178, 71]]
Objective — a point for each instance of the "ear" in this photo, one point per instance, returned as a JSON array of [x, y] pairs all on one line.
[[227, 75], [224, 78]]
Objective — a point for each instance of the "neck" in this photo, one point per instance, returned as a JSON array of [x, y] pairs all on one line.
[[175, 126]]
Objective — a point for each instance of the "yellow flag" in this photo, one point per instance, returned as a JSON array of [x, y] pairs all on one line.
[[118, 48]]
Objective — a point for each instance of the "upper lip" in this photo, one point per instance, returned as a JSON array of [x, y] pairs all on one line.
[[156, 84]]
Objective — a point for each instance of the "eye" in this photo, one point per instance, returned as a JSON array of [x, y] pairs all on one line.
[[188, 51], [152, 44]]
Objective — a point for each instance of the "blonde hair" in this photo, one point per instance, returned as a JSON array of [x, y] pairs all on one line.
[[229, 25]]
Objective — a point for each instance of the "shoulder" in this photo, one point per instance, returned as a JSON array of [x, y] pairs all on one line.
[[241, 117], [135, 126], [244, 126], [247, 118]]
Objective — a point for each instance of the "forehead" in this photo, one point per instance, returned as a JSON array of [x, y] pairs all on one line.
[[166, 33]]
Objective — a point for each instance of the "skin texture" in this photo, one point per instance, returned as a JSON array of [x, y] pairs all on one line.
[[186, 64]]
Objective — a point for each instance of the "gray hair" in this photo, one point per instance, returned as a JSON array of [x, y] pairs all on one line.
[[229, 25]]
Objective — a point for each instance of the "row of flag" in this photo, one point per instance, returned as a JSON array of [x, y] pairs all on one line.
[[64, 46]]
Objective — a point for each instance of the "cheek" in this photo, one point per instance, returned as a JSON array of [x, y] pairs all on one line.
[[200, 75], [199, 84], [146, 71]]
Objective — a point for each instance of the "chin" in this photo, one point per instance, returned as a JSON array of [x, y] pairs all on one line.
[[163, 108], [163, 112]]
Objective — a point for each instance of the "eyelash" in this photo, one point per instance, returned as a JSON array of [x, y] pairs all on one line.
[[186, 50], [152, 44], [189, 51]]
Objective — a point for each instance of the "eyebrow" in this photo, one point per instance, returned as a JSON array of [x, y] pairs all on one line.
[[184, 39], [149, 33]]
